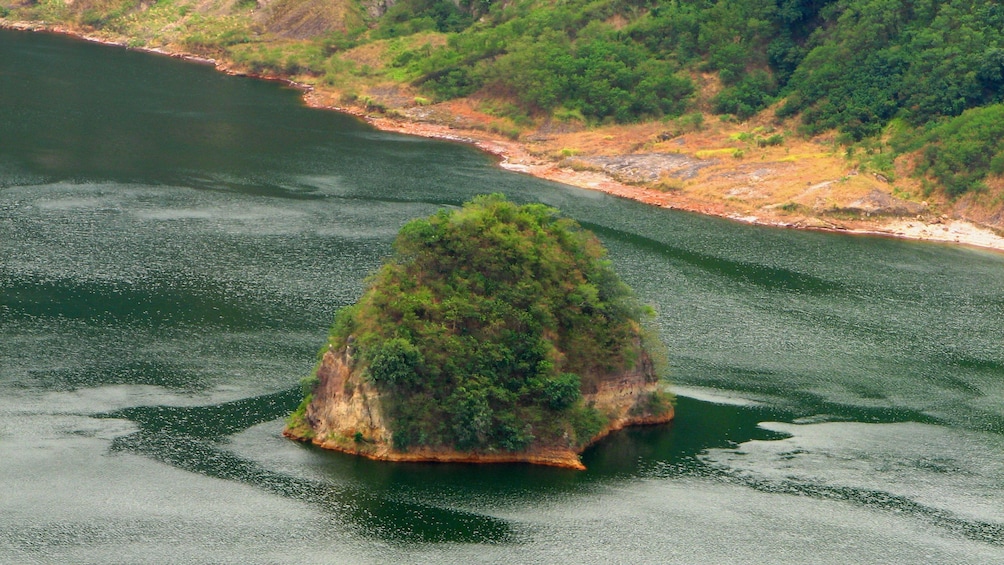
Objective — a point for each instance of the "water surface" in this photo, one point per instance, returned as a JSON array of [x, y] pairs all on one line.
[[175, 242]]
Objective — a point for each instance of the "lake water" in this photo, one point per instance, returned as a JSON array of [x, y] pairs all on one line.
[[174, 243]]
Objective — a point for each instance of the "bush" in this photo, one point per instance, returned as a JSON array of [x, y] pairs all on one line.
[[408, 17], [562, 392], [297, 420], [961, 152], [750, 95], [395, 363], [587, 422]]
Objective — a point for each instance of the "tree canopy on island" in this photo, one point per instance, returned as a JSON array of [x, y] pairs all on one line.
[[489, 323]]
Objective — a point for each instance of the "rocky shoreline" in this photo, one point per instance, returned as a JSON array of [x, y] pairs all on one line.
[[515, 156], [552, 458], [345, 415], [562, 458]]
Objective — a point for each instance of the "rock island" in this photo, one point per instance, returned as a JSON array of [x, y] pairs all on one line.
[[495, 333]]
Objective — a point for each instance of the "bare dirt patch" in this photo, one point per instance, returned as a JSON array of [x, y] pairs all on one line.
[[644, 167]]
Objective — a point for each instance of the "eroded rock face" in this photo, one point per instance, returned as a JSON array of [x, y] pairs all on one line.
[[377, 8], [878, 203], [345, 406], [645, 167], [345, 415], [981, 209], [306, 19]]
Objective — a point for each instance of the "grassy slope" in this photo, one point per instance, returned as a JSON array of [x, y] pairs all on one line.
[[804, 181]]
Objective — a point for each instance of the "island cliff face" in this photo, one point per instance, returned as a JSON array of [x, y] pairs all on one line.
[[495, 333], [345, 415]]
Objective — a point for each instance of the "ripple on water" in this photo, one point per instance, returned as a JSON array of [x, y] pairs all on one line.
[[936, 472]]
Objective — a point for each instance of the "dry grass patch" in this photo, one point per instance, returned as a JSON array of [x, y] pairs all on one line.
[[372, 55], [304, 19]]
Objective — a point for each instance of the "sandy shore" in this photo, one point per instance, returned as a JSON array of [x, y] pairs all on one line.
[[514, 156]]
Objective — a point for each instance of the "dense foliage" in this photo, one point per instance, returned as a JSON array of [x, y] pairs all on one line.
[[543, 70], [873, 60], [488, 324], [850, 65], [624, 60], [961, 152]]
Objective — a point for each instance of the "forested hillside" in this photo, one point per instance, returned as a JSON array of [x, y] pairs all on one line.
[[919, 81]]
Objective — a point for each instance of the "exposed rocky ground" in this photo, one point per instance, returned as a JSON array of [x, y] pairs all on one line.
[[643, 168]]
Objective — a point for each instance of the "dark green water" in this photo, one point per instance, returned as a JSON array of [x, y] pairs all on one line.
[[174, 243]]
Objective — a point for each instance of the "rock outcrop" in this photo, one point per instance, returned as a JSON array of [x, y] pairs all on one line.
[[345, 415], [496, 332]]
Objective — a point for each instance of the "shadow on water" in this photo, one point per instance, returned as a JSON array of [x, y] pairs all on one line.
[[760, 383], [699, 426], [198, 301], [189, 439], [771, 278], [133, 372], [409, 502], [454, 503], [976, 530]]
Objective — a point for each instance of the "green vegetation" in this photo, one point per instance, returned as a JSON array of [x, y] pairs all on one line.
[[853, 66], [874, 60], [488, 324], [961, 152], [597, 75], [297, 420], [408, 17]]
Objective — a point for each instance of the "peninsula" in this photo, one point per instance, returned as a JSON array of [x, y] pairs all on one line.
[[496, 333]]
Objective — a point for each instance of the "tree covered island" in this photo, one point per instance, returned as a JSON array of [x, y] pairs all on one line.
[[495, 333]]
